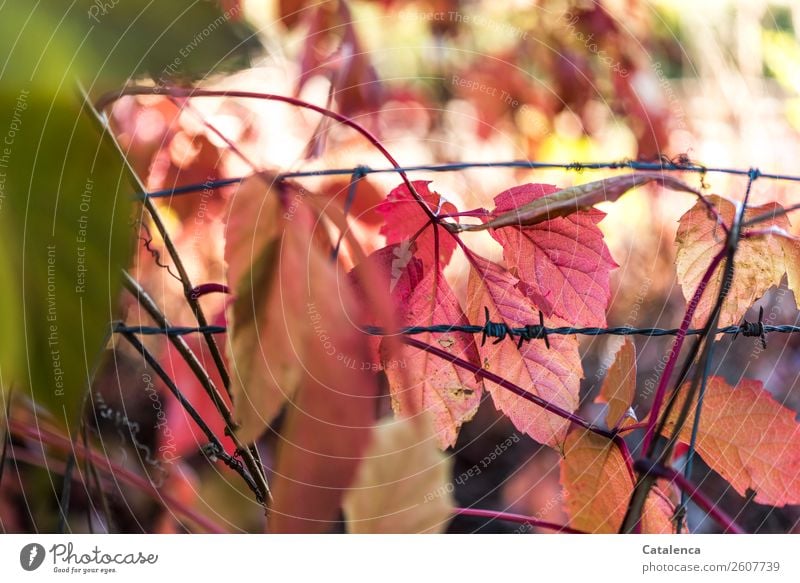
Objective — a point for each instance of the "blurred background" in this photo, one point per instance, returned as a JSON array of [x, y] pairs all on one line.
[[715, 82]]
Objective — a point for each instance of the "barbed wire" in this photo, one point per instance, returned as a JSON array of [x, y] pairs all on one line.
[[665, 165], [500, 330]]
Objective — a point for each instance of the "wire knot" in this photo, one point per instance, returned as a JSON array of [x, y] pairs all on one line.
[[534, 331], [754, 329], [211, 451], [491, 329], [500, 331]]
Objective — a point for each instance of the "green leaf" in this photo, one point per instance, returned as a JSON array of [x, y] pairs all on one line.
[[65, 201]]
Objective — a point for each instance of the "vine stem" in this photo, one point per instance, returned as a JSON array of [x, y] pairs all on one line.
[[508, 385], [646, 466], [663, 382], [108, 98], [517, 518], [115, 471]]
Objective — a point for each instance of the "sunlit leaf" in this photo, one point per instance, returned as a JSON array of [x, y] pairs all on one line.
[[424, 382], [564, 262], [553, 374], [759, 262], [401, 486], [748, 438], [598, 486], [619, 387]]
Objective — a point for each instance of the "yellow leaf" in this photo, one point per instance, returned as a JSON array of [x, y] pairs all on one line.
[[403, 483]]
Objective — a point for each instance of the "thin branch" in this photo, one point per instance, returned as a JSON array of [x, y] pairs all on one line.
[[663, 382], [183, 275], [255, 468]]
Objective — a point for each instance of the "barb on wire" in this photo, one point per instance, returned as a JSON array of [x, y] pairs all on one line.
[[501, 330]]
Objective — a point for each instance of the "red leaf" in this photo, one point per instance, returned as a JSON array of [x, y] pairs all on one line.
[[392, 270], [404, 219], [553, 374], [420, 381], [330, 418], [564, 262], [381, 283]]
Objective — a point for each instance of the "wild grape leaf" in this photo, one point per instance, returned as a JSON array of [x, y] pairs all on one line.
[[270, 319], [401, 486], [253, 220], [564, 262], [598, 485], [390, 272], [619, 387], [760, 262], [405, 218], [748, 438], [329, 420], [659, 509], [420, 381], [553, 374]]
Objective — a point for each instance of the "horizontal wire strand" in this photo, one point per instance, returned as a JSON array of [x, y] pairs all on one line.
[[754, 173]]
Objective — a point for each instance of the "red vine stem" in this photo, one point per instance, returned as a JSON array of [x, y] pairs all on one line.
[[508, 385], [46, 437], [518, 518], [694, 494], [108, 98], [663, 382]]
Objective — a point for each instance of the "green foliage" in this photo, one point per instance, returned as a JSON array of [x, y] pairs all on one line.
[[64, 213], [64, 187]]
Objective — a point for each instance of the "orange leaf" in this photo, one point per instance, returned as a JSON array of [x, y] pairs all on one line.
[[402, 484], [564, 261], [253, 220], [553, 374], [430, 383], [748, 438], [619, 387], [759, 262], [598, 486]]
